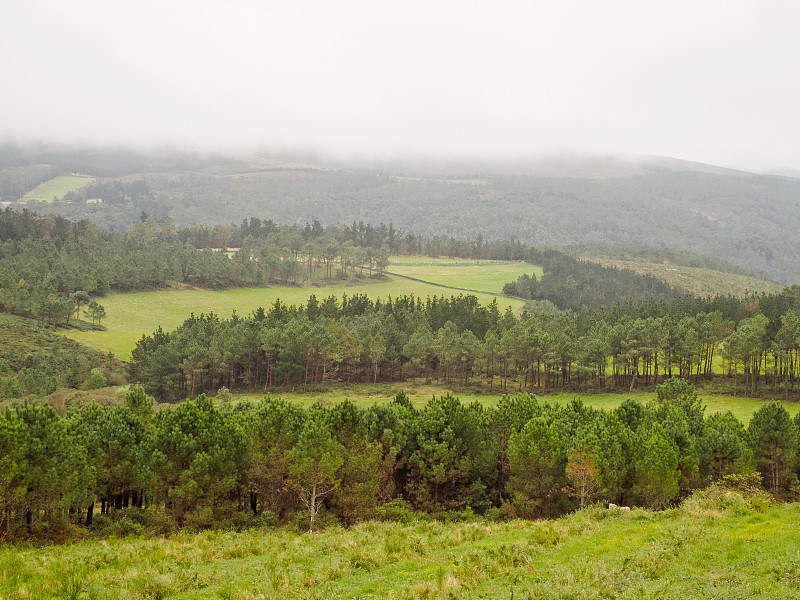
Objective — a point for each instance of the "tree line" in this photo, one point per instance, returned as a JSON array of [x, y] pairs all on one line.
[[198, 466], [457, 341]]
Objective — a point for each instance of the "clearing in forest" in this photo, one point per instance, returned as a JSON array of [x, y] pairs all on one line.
[[419, 394], [58, 187], [482, 275]]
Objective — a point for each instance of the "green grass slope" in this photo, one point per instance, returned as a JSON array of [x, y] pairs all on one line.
[[57, 187], [696, 281], [131, 315], [714, 546], [45, 360]]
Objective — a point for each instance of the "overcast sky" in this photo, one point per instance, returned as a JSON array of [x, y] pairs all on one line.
[[706, 80]]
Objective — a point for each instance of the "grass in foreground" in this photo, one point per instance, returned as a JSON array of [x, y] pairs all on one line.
[[712, 547], [132, 315], [57, 187]]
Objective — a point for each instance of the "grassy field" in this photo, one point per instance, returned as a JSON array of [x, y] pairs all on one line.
[[742, 408], [57, 187], [368, 394], [131, 315], [711, 547], [699, 282], [484, 275]]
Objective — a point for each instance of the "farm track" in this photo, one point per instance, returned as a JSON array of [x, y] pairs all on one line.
[[453, 287]]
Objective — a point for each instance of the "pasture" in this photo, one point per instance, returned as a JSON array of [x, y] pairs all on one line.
[[483, 275], [58, 187], [370, 394], [134, 314], [713, 546]]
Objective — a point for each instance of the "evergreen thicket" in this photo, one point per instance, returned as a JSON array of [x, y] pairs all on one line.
[[198, 466], [755, 341]]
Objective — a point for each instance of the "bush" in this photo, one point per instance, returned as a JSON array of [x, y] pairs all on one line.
[[742, 493], [133, 521], [267, 519], [397, 510], [96, 380]]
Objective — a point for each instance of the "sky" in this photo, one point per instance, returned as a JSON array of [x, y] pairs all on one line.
[[707, 80]]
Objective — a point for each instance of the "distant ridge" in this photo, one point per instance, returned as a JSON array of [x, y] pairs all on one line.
[[748, 219]]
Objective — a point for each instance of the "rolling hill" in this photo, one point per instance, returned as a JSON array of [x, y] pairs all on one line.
[[748, 219]]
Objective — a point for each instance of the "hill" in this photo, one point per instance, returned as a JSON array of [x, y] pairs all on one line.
[[696, 281], [35, 361], [694, 273], [748, 219]]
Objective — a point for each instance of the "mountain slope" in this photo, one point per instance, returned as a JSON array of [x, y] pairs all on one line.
[[750, 220]]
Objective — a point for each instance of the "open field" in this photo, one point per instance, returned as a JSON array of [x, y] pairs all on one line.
[[711, 547], [484, 275], [131, 315], [369, 394], [742, 408], [57, 187], [365, 395], [696, 281]]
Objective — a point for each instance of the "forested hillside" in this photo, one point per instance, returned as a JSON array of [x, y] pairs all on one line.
[[747, 219]]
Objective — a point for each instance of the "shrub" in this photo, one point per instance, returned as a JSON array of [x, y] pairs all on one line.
[[96, 380], [738, 492], [397, 510]]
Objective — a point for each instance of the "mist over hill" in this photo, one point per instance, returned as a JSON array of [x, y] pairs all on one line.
[[750, 220]]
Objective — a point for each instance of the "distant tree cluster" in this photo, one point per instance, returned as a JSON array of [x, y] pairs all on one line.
[[45, 259], [198, 466], [575, 285]]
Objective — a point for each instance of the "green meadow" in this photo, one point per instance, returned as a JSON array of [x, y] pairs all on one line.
[[484, 275], [57, 187], [131, 315], [368, 394], [742, 408], [715, 545]]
